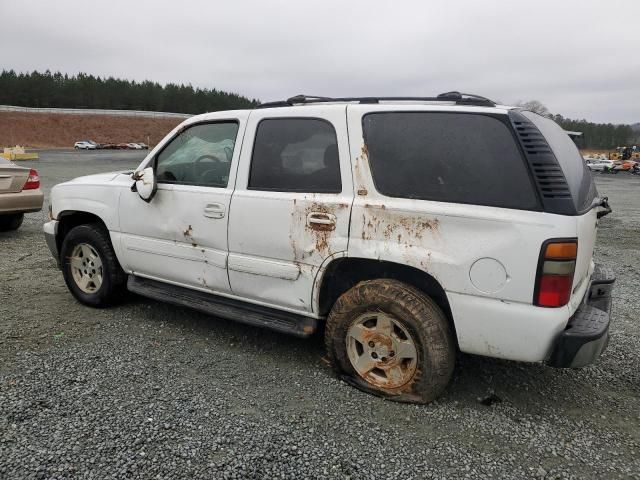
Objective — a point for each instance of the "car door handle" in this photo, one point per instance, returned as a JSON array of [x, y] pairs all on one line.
[[321, 221], [214, 210]]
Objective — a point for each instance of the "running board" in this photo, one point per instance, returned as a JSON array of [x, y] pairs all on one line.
[[224, 307]]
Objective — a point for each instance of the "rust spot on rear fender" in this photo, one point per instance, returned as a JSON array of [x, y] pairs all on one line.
[[360, 169], [364, 151], [400, 228]]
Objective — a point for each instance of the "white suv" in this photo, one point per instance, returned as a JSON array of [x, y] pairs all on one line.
[[599, 165], [85, 145], [411, 227]]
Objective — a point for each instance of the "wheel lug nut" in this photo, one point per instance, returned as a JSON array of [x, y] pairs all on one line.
[[371, 344], [374, 355], [392, 353]]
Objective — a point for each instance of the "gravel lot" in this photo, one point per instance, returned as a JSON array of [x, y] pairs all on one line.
[[147, 390]]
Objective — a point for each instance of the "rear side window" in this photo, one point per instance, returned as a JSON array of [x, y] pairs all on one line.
[[447, 157], [579, 179], [295, 155]]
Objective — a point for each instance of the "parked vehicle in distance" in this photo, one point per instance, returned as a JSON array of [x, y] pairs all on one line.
[[599, 165], [144, 146], [625, 166], [134, 146], [618, 166], [19, 194], [353, 212], [85, 145], [122, 146]]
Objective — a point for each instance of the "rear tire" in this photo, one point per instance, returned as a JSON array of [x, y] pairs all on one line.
[[11, 221], [389, 339], [90, 267]]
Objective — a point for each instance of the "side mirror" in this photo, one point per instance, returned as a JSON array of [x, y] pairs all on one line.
[[145, 185]]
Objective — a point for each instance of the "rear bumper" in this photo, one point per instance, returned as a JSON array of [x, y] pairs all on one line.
[[21, 202], [586, 335]]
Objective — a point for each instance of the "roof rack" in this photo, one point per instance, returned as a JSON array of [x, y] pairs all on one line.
[[456, 97]]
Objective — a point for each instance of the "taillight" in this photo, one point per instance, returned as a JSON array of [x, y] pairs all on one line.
[[33, 181], [555, 273]]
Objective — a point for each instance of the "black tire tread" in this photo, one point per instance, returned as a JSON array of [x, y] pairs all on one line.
[[433, 330], [11, 222], [98, 236]]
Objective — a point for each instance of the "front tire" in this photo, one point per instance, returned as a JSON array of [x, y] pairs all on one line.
[[11, 221], [90, 267], [389, 339]]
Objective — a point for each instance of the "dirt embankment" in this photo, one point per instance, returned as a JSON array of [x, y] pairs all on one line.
[[45, 130]]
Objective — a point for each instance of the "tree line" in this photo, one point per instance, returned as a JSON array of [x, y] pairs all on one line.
[[594, 135], [598, 135], [57, 90]]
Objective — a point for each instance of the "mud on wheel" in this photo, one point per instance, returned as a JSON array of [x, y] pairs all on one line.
[[390, 339], [90, 267]]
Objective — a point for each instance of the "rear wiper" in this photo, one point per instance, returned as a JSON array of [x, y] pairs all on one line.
[[602, 203]]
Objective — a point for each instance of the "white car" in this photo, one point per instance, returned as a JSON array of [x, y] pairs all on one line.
[[85, 145], [135, 146], [353, 212], [597, 165]]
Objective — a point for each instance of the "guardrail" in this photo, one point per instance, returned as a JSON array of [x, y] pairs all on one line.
[[92, 111]]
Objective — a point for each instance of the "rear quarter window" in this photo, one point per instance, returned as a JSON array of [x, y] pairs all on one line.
[[579, 179], [448, 157]]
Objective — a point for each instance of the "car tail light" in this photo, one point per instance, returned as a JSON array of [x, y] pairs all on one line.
[[555, 273], [33, 181]]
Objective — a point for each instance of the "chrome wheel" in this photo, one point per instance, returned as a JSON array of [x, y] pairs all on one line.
[[381, 350], [86, 268]]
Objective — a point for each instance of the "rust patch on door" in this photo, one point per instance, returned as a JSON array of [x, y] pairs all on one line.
[[188, 235], [321, 232], [306, 237], [322, 227]]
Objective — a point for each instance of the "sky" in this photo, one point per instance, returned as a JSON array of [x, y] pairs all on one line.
[[580, 58]]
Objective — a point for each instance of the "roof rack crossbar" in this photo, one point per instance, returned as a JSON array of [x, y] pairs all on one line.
[[456, 97]]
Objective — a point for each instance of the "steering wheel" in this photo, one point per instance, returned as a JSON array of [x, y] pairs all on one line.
[[201, 158], [204, 175]]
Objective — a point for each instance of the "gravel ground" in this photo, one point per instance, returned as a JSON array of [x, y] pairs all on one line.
[[147, 390]]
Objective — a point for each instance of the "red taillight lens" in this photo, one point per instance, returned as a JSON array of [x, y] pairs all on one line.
[[33, 181], [555, 290], [555, 273]]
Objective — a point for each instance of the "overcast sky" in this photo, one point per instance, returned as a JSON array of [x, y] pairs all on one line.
[[581, 58]]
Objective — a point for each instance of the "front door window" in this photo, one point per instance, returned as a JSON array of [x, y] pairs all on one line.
[[200, 155]]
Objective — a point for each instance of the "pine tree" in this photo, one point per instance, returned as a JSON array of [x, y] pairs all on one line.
[[83, 90]]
